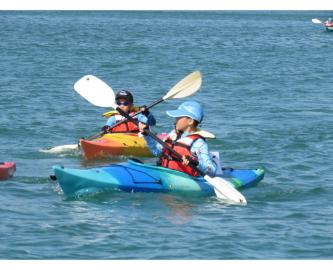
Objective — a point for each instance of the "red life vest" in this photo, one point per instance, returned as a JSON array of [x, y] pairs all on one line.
[[126, 127], [183, 147]]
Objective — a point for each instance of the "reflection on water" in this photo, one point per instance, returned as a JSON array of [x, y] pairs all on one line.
[[180, 210]]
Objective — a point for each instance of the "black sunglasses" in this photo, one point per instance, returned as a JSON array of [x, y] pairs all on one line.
[[124, 103]]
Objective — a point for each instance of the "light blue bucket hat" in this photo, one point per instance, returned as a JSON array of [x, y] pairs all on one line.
[[190, 109]]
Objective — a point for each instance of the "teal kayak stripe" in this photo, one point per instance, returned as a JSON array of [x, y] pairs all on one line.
[[236, 182]]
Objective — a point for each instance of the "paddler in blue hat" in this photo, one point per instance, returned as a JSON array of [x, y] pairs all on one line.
[[186, 139]]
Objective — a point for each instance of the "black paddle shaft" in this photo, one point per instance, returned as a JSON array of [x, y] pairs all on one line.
[[147, 131]]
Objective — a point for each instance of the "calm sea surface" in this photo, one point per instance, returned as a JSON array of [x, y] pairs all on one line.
[[267, 94]]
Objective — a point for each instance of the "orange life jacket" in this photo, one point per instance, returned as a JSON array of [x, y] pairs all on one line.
[[183, 147], [126, 127]]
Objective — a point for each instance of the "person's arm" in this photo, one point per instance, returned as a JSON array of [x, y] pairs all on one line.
[[111, 121], [151, 119], [146, 117], [206, 163], [154, 147]]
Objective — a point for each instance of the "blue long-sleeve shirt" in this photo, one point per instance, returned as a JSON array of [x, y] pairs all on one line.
[[199, 148]]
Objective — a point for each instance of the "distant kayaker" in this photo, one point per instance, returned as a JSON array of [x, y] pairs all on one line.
[[124, 100], [329, 22], [187, 140]]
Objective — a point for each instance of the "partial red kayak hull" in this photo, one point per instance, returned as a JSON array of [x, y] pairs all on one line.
[[7, 170]]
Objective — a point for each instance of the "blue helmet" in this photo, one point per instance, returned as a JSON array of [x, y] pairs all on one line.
[[190, 109]]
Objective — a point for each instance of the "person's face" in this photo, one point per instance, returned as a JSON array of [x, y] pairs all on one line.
[[124, 105], [183, 123]]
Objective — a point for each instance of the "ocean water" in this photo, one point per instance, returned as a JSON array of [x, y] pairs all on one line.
[[267, 95]]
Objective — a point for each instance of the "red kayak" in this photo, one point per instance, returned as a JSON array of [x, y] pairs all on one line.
[[7, 170]]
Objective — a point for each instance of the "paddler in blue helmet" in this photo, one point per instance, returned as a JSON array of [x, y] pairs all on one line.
[[186, 139]]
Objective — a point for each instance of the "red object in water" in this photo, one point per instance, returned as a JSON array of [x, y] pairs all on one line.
[[7, 170], [328, 24]]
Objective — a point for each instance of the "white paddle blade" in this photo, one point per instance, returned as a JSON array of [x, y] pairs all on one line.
[[61, 149], [225, 191], [186, 87], [316, 21], [95, 91]]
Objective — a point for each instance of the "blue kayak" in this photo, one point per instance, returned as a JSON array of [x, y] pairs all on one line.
[[133, 176]]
